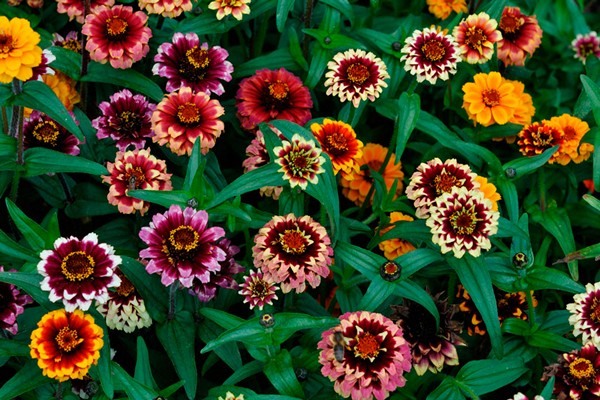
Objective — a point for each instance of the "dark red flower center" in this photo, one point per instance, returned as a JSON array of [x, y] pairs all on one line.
[[46, 132], [511, 24], [183, 242], [259, 289], [294, 241], [125, 288], [367, 346], [67, 339], [444, 182], [390, 268], [569, 132], [433, 50], [490, 97], [595, 310], [128, 122], [358, 73], [77, 266], [582, 369], [195, 64], [298, 163], [336, 143], [116, 28], [587, 49], [475, 37], [6, 44], [188, 114], [543, 136], [464, 221]]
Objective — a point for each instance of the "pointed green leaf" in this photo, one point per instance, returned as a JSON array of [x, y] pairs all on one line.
[[540, 277], [40, 161], [143, 370], [283, 9], [165, 198], [550, 340], [377, 292], [26, 379], [526, 165], [131, 386], [280, 371], [447, 390], [318, 63], [485, 376], [29, 282], [67, 61], [250, 369], [33, 234], [13, 348], [409, 107], [13, 249], [593, 91]]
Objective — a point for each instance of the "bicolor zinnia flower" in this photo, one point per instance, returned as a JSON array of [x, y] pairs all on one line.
[[12, 303], [430, 348], [75, 8], [394, 248], [257, 290], [42, 131], [257, 156], [43, 68], [19, 50], [293, 252], [165, 8], [521, 36], [357, 184], [300, 160], [183, 117], [442, 8], [69, 42], [431, 54], [181, 246], [66, 344], [338, 140], [272, 94], [539, 136], [489, 191], [585, 46], [133, 170], [365, 356], [585, 314], [577, 374], [186, 62], [434, 178], [462, 221], [231, 396], [490, 99], [476, 36], [574, 129], [356, 75], [125, 310], [79, 271], [117, 35], [125, 119], [235, 8]]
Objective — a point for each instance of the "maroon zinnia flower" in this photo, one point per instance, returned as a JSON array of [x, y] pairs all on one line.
[[257, 290], [577, 374], [11, 305], [42, 131]]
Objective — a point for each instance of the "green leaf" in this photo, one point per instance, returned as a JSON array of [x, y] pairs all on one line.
[[550, 340], [280, 58], [11, 248], [447, 390], [485, 376], [26, 379], [329, 40], [510, 197], [67, 61], [548, 389], [33, 234], [377, 292], [596, 161], [592, 201], [104, 367], [143, 370], [409, 108], [413, 261], [318, 63], [153, 292], [39, 161], [13, 348], [296, 49], [280, 372], [540, 277], [343, 6], [165, 198], [593, 91], [283, 9], [247, 370], [221, 318], [29, 282], [132, 387], [526, 165]]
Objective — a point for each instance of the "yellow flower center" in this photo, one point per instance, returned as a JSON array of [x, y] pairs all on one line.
[[464, 221], [279, 90], [67, 339], [46, 132], [433, 50], [587, 49], [188, 113], [510, 24], [294, 241], [135, 178], [336, 143], [129, 122], [367, 346], [184, 238], [358, 73], [77, 266], [197, 57], [116, 27], [475, 37], [6, 45], [72, 44], [582, 369], [125, 288], [444, 183], [490, 97]]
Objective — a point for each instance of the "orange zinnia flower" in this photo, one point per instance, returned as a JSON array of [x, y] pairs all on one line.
[[338, 141], [521, 36], [394, 248], [490, 99], [573, 131], [489, 191], [442, 8]]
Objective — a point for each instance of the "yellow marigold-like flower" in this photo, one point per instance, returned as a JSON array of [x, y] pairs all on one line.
[[235, 8], [573, 131], [489, 191], [394, 248], [442, 8], [19, 50], [66, 344], [490, 99]]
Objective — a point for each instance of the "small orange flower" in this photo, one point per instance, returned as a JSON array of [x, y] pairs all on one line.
[[489, 191], [442, 8], [490, 99], [235, 8], [394, 248], [338, 141], [573, 131]]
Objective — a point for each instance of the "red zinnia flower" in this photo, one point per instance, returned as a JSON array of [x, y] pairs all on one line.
[[577, 374], [521, 35], [476, 36], [75, 8]]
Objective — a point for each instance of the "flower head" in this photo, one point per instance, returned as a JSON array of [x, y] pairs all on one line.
[[117, 35], [75, 8], [79, 271], [66, 344], [133, 170], [257, 156], [431, 54], [357, 184], [539, 136], [476, 36], [183, 117], [490, 99], [525, 111], [181, 246], [257, 290], [19, 50], [69, 42], [571, 149], [338, 140], [166, 8], [272, 94], [442, 8], [231, 396], [42, 131], [577, 374], [186, 62], [521, 36], [293, 251], [300, 160], [235, 8], [43, 67], [12, 303], [585, 314], [489, 191], [365, 356], [394, 248], [356, 75], [585, 46]]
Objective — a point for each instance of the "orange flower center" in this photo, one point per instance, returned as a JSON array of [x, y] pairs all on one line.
[[336, 143], [475, 37], [184, 238], [433, 50], [367, 346], [582, 369], [491, 97], [279, 90], [135, 178], [67, 339], [510, 24], [125, 288], [358, 73], [77, 266], [390, 268], [294, 241], [116, 27], [464, 221], [542, 136], [6, 45], [444, 183], [46, 132], [188, 113], [595, 310]]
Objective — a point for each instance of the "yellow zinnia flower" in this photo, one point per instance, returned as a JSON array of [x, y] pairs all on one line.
[[490, 99], [19, 50]]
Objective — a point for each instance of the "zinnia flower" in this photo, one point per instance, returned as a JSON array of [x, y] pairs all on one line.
[[69, 42], [66, 344], [43, 68], [79, 271], [182, 117], [12, 303], [42, 131], [490, 99], [75, 8], [125, 119], [133, 170], [235, 8], [125, 310], [585, 314], [539, 136], [338, 140], [365, 356], [357, 184], [181, 246], [476, 36], [356, 75], [521, 35], [525, 111], [300, 160], [577, 374], [394, 248], [186, 62], [257, 290], [442, 8], [489, 191], [165, 8], [430, 348], [585, 46], [431, 54], [434, 178], [571, 149], [19, 50], [257, 156], [270, 95], [462, 221], [293, 251], [117, 35]]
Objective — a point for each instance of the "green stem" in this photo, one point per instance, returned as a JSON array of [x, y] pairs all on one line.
[[307, 18], [172, 299], [4, 121], [412, 87], [542, 187]]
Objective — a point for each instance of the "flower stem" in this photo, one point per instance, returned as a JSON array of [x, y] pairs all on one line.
[[307, 18], [85, 60], [172, 299], [4, 120]]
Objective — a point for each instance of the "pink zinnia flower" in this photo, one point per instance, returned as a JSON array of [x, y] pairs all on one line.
[[75, 8], [476, 36], [42, 131], [12, 305], [585, 46], [521, 36], [300, 160], [257, 290], [165, 8], [186, 62]]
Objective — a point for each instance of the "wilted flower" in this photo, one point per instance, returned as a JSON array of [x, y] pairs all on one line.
[[571, 149], [442, 8], [75, 8], [338, 140], [577, 374], [394, 248], [165, 8], [585, 46], [19, 52], [300, 160], [585, 314], [490, 99], [12, 302], [476, 36], [257, 290], [539, 136], [521, 36], [42, 131], [235, 8]]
